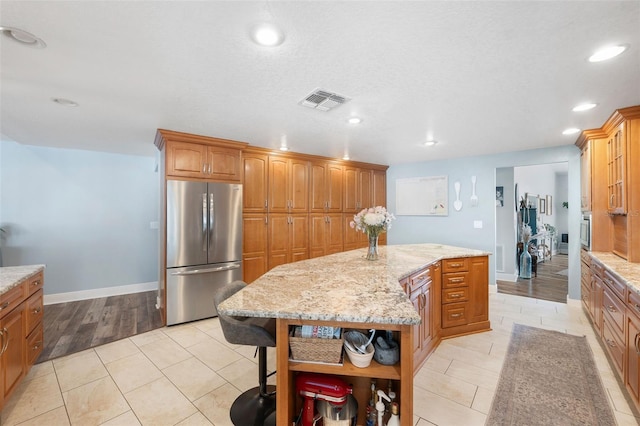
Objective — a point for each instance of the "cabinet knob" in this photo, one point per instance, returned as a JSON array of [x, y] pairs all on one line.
[[35, 283], [4, 306]]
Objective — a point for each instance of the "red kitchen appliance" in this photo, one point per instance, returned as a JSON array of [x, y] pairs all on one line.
[[318, 387]]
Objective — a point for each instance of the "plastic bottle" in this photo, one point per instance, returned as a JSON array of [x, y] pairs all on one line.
[[394, 420], [371, 407], [380, 406]]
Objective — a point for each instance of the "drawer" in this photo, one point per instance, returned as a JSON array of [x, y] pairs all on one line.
[[597, 268], [584, 257], [34, 344], [454, 314], [451, 295], [35, 310], [585, 294], [455, 265], [619, 287], [12, 298], [633, 302], [613, 345], [459, 279], [36, 282], [419, 279], [614, 309], [585, 273]]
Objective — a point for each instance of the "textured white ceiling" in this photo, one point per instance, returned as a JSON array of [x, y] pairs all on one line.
[[480, 77]]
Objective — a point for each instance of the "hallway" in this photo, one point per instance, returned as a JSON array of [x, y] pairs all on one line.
[[550, 284]]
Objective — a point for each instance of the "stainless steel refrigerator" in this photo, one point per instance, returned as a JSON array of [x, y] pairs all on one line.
[[204, 246]]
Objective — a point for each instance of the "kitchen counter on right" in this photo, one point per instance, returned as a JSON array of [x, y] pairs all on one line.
[[627, 272]]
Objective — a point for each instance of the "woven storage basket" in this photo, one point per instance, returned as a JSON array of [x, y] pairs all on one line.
[[316, 349]]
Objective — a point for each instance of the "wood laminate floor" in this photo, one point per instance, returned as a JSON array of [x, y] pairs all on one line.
[[548, 285], [76, 326]]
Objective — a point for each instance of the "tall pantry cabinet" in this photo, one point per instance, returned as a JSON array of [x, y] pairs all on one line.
[[299, 206]]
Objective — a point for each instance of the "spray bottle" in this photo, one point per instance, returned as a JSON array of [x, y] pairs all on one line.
[[380, 406]]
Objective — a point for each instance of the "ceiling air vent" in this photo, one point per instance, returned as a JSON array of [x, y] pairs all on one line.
[[323, 100]]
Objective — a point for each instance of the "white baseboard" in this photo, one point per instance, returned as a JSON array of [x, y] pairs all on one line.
[[72, 296], [506, 277]]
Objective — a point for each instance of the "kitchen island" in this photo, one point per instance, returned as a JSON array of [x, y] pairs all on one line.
[[21, 331], [347, 291]]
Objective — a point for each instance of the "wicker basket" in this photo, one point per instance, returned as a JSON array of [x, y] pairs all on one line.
[[315, 349]]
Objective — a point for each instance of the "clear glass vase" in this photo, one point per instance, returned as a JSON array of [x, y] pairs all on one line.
[[372, 250], [525, 264]]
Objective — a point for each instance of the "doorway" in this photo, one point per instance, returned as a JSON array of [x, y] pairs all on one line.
[[532, 199]]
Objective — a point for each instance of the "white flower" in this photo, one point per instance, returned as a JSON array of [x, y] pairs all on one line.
[[373, 220]]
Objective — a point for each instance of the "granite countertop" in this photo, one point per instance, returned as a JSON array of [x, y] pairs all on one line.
[[342, 287], [11, 276], [627, 272]]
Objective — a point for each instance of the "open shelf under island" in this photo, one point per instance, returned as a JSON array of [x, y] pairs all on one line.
[[420, 292]]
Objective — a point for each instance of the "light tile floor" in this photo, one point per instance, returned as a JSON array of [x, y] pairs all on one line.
[[189, 375]]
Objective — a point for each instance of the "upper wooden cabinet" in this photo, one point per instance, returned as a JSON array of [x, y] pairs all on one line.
[[200, 157], [380, 188], [255, 196], [325, 191], [358, 189], [616, 168], [288, 185]]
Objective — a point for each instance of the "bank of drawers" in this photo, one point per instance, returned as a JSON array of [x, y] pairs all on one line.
[[455, 292], [613, 316]]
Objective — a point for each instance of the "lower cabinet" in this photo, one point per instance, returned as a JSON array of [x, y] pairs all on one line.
[[325, 234], [21, 332], [288, 237], [632, 377]]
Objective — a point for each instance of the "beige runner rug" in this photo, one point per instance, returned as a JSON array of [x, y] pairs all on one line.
[[549, 378]]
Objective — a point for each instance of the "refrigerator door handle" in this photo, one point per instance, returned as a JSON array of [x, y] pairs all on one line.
[[208, 270], [211, 225], [204, 222]]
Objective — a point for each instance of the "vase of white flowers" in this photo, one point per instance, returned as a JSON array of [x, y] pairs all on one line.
[[372, 221]]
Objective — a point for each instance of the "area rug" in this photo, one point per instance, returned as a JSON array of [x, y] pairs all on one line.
[[549, 378]]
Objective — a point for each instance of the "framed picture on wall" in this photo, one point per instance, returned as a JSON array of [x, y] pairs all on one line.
[[499, 196], [543, 205], [549, 204]]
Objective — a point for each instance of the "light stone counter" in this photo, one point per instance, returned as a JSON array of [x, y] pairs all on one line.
[[342, 287], [11, 276], [627, 272]]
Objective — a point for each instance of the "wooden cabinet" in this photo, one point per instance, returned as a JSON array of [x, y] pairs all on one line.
[[255, 182], [288, 238], [325, 189], [585, 177], [254, 246], [288, 185], [21, 311], [465, 295], [616, 168], [358, 189], [380, 188], [325, 234], [632, 376], [193, 160]]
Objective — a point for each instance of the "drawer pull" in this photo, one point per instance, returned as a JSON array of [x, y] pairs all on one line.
[[611, 309], [36, 346], [456, 280], [456, 265], [635, 343], [455, 295], [5, 340], [35, 283], [456, 315], [37, 310], [611, 343], [4, 306]]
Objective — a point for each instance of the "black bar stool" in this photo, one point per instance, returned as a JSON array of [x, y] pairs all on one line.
[[257, 406]]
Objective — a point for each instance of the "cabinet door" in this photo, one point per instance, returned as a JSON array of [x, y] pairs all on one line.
[[223, 164], [426, 316], [186, 159], [436, 318], [278, 185], [278, 239], [334, 191], [352, 238], [335, 234], [416, 299], [479, 289], [299, 186], [380, 188], [350, 190], [299, 237], [616, 166], [365, 188], [254, 246], [13, 360], [585, 174], [317, 235], [317, 187], [632, 380], [254, 189]]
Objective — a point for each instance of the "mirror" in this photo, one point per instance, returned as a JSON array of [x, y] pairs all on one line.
[[531, 200]]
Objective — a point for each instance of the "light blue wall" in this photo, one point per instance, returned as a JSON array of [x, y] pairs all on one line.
[[457, 228], [84, 214]]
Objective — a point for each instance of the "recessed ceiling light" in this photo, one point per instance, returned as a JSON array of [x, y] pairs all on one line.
[[583, 107], [284, 148], [607, 53], [65, 102], [23, 37], [267, 35], [354, 120], [346, 157], [570, 131], [430, 142]]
